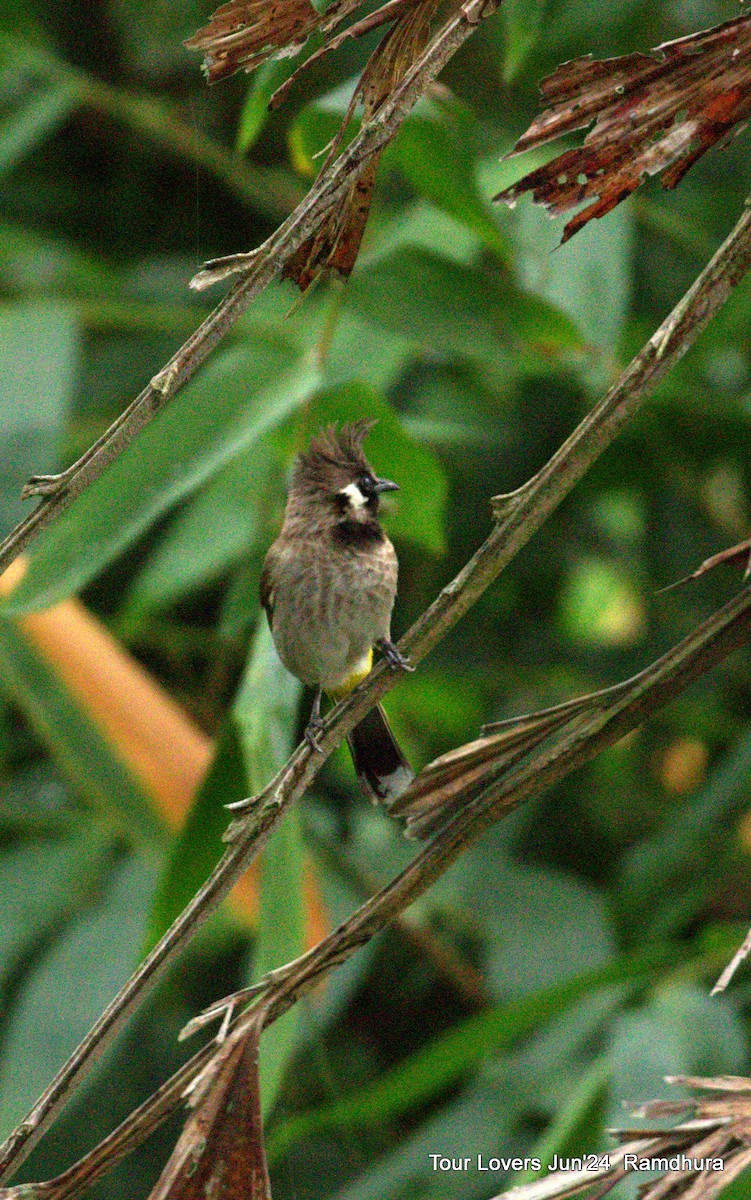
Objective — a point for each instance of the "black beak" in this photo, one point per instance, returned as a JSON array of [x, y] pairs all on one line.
[[385, 485]]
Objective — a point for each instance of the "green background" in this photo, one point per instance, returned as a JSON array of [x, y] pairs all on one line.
[[563, 966]]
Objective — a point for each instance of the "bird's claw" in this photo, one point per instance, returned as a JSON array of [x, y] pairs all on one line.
[[312, 730], [394, 657]]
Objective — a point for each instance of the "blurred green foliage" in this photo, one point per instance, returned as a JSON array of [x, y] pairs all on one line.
[[566, 959]]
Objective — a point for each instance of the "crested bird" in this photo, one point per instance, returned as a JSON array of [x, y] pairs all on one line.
[[328, 587]]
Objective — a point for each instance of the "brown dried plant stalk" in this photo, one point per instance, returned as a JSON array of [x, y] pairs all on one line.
[[698, 1157], [595, 722], [518, 516], [266, 263]]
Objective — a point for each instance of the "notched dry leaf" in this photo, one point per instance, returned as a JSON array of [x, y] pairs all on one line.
[[335, 246], [220, 1153], [654, 114], [244, 33]]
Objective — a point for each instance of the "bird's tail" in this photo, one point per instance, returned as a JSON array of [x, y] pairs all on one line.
[[382, 769]]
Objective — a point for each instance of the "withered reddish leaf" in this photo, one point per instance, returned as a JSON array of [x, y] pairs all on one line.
[[335, 245], [244, 33], [220, 1153], [654, 113]]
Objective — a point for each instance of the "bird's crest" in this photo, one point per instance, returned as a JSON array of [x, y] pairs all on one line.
[[335, 456]]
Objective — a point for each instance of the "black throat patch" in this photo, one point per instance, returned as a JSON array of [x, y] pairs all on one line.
[[358, 534]]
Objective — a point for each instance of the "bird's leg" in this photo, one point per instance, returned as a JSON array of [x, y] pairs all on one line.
[[394, 657], [315, 724]]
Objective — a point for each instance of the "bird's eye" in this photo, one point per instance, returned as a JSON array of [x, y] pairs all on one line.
[[366, 484]]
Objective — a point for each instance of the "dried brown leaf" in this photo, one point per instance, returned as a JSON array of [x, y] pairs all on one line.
[[458, 776], [690, 1150], [244, 33], [335, 245], [220, 1153], [654, 114]]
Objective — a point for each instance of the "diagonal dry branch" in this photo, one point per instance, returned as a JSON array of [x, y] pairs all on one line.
[[595, 722], [57, 492], [518, 515]]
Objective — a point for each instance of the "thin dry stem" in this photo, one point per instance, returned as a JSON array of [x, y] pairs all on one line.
[[520, 515], [57, 492], [610, 714]]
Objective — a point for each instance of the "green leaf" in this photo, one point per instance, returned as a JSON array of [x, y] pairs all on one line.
[[38, 368], [362, 351], [489, 1109], [428, 1072], [314, 127], [522, 22], [577, 1110], [255, 111], [417, 513], [454, 309], [421, 224], [479, 1123], [591, 282], [281, 938], [572, 931], [241, 602], [74, 741], [197, 849], [227, 520], [681, 1031], [265, 709], [255, 742], [242, 394], [42, 885], [435, 151], [34, 121], [70, 986], [34, 263]]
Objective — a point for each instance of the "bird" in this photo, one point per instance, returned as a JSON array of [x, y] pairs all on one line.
[[328, 586]]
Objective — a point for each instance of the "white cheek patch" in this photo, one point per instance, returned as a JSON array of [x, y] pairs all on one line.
[[355, 496]]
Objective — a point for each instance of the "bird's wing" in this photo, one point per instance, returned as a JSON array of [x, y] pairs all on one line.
[[266, 587]]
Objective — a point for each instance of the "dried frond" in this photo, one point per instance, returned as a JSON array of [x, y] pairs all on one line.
[[654, 114], [696, 1158], [244, 33], [335, 245], [495, 766], [220, 1153], [456, 778]]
